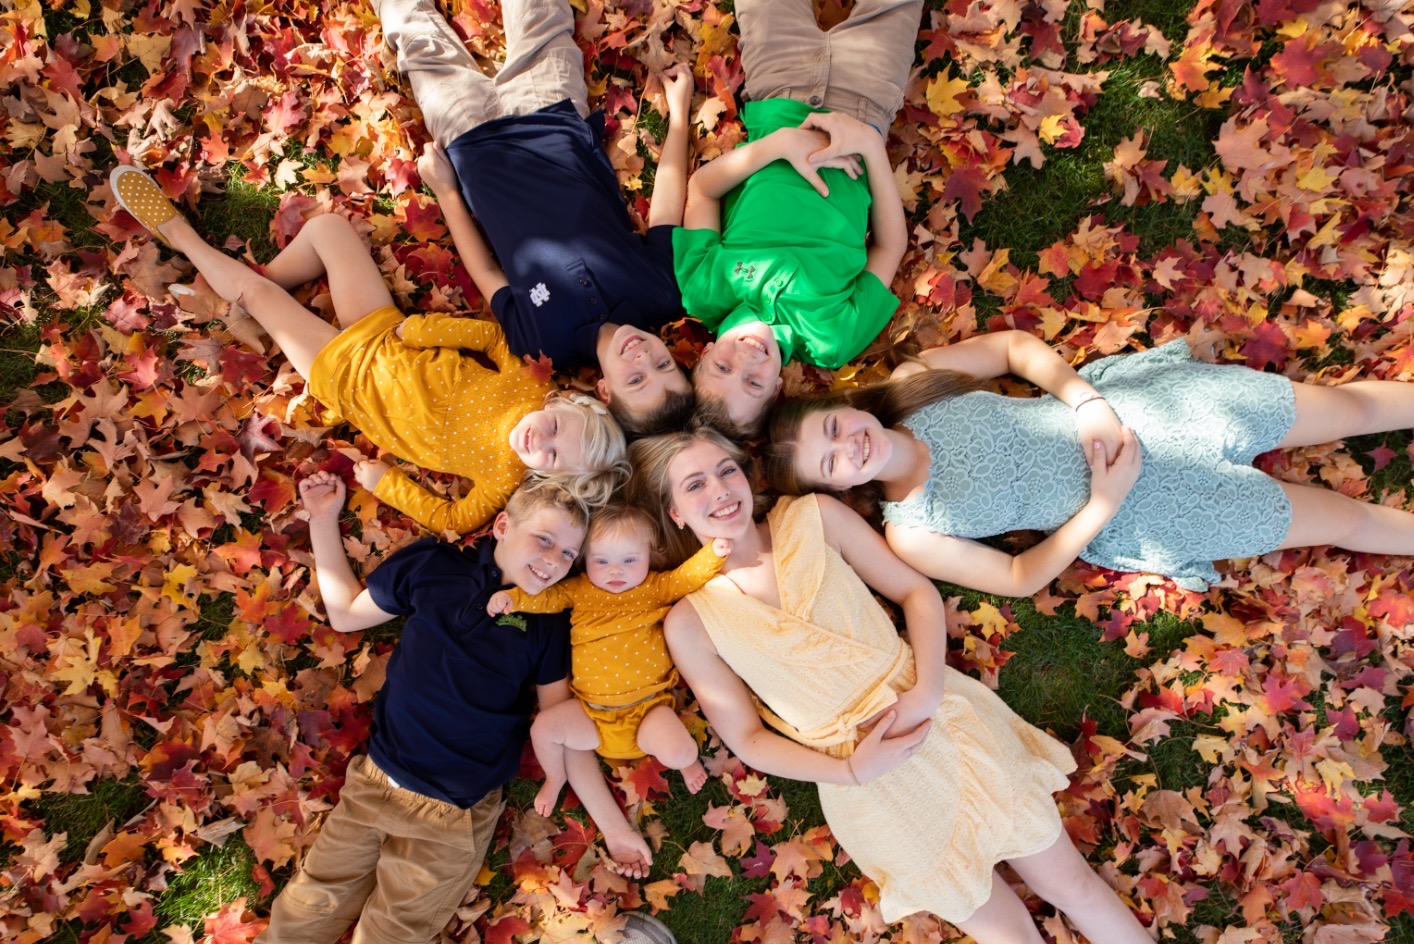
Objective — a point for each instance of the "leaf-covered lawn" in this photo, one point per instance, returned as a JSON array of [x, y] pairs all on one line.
[[176, 716]]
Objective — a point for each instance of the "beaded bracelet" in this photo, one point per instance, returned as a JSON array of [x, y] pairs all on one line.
[[1090, 397]]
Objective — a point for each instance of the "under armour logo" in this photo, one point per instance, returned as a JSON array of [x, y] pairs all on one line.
[[539, 294], [747, 272]]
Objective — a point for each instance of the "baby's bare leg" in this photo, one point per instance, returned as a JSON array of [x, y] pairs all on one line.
[[557, 729], [663, 735]]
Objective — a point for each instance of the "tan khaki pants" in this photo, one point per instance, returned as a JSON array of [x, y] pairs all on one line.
[[859, 67], [395, 860], [543, 65]]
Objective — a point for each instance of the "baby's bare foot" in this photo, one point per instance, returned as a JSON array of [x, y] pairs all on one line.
[[548, 797], [694, 775]]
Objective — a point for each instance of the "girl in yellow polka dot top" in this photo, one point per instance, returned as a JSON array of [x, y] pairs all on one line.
[[415, 386]]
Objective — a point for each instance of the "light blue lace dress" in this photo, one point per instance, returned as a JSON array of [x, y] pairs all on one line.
[[1004, 464]]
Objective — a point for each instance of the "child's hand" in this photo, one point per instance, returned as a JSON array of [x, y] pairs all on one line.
[[800, 146], [722, 547], [435, 169], [677, 88], [885, 747], [369, 472], [1096, 422], [322, 495], [499, 604], [848, 136], [1109, 484]]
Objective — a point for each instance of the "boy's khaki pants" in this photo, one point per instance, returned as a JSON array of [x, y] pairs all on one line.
[[395, 860], [859, 67], [543, 65]]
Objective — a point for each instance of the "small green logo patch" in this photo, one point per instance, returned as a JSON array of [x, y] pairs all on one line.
[[512, 619]]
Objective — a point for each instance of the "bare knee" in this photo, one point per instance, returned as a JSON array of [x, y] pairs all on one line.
[[1071, 890], [328, 226], [662, 734]]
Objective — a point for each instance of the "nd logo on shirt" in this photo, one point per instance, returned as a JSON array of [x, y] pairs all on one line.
[[539, 295]]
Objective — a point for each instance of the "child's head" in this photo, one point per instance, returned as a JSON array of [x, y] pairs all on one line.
[[738, 378], [539, 534], [574, 439], [620, 546], [643, 386]]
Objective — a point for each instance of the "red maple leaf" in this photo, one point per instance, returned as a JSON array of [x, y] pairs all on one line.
[[1267, 347], [966, 185], [506, 930]]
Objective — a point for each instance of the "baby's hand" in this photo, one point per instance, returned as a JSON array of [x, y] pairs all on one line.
[[369, 472], [677, 88], [499, 604], [722, 547], [435, 169], [322, 495]]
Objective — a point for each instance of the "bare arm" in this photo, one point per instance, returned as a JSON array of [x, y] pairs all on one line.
[[670, 181], [727, 703], [974, 565], [715, 179], [923, 611], [436, 170], [1027, 356], [349, 605]]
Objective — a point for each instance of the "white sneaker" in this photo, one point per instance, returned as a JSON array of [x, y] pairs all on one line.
[[646, 929]]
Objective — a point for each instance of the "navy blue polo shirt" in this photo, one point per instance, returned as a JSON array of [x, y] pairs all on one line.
[[545, 194], [454, 712]]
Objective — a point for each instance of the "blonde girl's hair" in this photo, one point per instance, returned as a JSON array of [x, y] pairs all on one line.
[[605, 451], [650, 489], [891, 402]]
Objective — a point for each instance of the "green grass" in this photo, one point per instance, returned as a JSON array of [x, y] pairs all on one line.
[[218, 876], [81, 816], [240, 210]]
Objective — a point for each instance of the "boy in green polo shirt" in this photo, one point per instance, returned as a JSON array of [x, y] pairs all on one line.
[[773, 253]]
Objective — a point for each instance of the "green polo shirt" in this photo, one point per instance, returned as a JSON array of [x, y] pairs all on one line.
[[787, 256]]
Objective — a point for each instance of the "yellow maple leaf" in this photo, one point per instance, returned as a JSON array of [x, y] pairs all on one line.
[[943, 93], [1315, 180], [1052, 128], [174, 586]]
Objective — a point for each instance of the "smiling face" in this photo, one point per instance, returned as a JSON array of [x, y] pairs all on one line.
[[536, 549], [709, 492], [617, 556], [550, 440], [742, 370], [638, 370], [841, 448]]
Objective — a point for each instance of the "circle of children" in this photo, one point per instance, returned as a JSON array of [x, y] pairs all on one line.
[[785, 248]]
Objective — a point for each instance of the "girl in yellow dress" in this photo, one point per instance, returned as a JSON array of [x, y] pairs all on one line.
[[409, 383], [926, 778]]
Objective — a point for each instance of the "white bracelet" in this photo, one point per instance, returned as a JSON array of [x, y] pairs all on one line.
[[1090, 397]]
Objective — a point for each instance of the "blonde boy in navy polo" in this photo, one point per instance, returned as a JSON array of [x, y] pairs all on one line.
[[415, 817], [570, 280]]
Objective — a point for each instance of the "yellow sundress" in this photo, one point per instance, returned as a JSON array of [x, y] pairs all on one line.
[[425, 399], [979, 790]]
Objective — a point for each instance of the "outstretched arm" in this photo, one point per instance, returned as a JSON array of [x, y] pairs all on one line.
[[670, 180], [974, 565], [1027, 356], [436, 170], [349, 605], [726, 701]]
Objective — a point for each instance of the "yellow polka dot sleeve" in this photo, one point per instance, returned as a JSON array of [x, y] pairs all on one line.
[[556, 599], [695, 572], [432, 511], [441, 330]]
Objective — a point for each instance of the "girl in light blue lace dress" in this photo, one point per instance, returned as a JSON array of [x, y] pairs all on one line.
[[1138, 462]]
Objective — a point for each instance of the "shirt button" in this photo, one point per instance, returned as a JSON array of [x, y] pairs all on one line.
[[593, 300], [815, 100]]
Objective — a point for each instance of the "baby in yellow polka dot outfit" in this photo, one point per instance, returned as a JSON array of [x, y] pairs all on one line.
[[440, 391], [620, 669]]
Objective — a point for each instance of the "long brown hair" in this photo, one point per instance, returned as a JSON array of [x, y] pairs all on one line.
[[650, 489], [891, 402]]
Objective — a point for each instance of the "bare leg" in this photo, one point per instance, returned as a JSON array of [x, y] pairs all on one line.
[[328, 245], [662, 735], [1325, 414], [628, 853], [1003, 919], [300, 333], [1320, 516], [1061, 875], [561, 727]]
